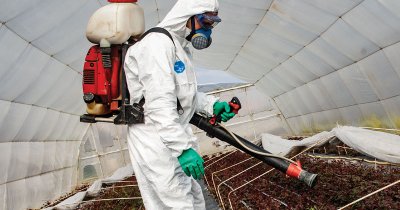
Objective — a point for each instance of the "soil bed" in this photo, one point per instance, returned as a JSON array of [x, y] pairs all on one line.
[[340, 182], [118, 190]]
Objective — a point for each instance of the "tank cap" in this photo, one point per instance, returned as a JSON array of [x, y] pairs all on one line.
[[122, 1]]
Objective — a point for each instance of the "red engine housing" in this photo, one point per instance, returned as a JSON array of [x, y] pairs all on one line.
[[102, 82]]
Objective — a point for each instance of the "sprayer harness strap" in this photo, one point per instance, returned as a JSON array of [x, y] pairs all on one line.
[[158, 30], [165, 32]]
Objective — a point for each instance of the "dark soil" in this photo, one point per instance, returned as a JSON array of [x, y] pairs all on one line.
[[340, 182], [117, 190]]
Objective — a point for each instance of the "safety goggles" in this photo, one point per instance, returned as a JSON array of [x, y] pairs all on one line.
[[208, 20]]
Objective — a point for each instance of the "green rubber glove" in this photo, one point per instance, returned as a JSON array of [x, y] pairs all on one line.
[[221, 107], [224, 110], [227, 116], [192, 163]]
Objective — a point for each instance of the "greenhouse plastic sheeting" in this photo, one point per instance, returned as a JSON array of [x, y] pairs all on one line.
[[279, 146], [344, 67], [379, 145], [103, 150], [316, 63]]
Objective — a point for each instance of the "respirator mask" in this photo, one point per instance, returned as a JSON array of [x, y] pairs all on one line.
[[201, 38]]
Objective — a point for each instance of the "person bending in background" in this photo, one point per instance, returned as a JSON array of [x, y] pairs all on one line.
[[163, 149]]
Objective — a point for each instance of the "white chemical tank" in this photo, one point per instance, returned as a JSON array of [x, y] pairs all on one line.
[[116, 22]]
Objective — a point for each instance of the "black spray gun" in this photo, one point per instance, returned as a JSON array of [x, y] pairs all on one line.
[[213, 128]]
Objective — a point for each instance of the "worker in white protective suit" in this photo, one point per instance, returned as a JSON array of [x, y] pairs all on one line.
[[163, 149]]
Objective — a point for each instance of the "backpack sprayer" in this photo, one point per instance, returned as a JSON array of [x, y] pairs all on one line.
[[107, 97]]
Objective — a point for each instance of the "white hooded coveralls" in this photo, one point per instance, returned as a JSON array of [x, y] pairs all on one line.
[[155, 145]]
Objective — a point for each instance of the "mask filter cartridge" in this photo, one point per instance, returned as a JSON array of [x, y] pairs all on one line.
[[201, 39]]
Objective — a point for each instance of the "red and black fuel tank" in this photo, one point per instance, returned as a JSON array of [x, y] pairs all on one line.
[[101, 74]]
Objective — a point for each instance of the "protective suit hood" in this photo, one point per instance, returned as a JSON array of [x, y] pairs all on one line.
[[176, 19]]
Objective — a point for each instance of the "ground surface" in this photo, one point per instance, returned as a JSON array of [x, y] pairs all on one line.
[[340, 182], [122, 196]]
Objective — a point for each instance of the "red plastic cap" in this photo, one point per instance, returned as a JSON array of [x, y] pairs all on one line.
[[122, 1], [294, 170]]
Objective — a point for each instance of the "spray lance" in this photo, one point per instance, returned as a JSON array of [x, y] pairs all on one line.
[[214, 128]]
